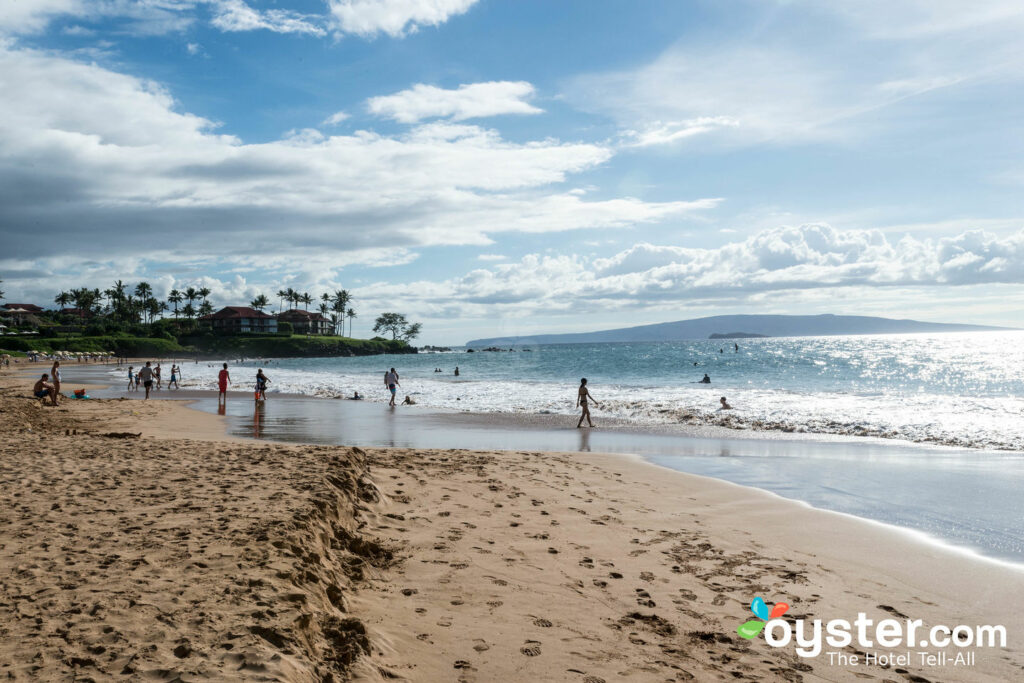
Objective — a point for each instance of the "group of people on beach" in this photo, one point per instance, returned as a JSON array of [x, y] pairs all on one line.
[[150, 378]]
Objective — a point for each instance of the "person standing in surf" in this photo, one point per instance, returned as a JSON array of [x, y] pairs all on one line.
[[223, 379], [582, 396], [391, 382]]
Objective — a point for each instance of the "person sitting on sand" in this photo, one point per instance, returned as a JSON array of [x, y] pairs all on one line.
[[223, 378], [706, 380], [42, 389], [725, 404], [261, 385], [581, 400], [146, 375], [408, 401]]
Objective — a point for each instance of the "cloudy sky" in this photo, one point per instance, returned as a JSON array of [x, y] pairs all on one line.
[[514, 166]]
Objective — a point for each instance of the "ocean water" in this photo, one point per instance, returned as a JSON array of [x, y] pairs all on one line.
[[961, 389]]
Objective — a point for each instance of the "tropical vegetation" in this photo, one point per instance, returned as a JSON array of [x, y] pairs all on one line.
[[132, 315]]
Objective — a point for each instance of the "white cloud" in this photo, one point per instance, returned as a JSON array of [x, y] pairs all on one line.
[[137, 17], [236, 15], [194, 48], [661, 133], [335, 118], [468, 101], [781, 263], [85, 150], [800, 71], [393, 17], [491, 257], [78, 31], [32, 16]]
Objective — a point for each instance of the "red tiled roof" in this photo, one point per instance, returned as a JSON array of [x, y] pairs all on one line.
[[230, 312]]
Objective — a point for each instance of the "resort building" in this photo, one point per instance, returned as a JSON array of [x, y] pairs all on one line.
[[238, 319], [306, 322], [19, 313]]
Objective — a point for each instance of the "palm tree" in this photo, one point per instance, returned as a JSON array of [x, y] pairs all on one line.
[[340, 300], [145, 293], [153, 308], [129, 307], [205, 308], [115, 295], [1, 292], [306, 300], [188, 311], [84, 298], [351, 314], [290, 295], [260, 302], [175, 298], [204, 292], [282, 294], [191, 295], [62, 299], [324, 309]]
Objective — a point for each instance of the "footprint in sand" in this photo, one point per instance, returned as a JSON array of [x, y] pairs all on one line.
[[543, 623], [481, 645], [719, 600], [531, 648]]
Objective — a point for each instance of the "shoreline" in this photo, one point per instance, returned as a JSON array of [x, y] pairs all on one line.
[[710, 424], [509, 433]]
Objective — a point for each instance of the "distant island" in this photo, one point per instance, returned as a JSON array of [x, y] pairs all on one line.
[[755, 326], [737, 335]]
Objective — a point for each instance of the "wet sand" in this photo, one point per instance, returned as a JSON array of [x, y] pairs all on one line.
[[222, 559]]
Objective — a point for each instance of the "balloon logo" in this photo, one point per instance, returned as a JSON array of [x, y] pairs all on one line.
[[750, 629]]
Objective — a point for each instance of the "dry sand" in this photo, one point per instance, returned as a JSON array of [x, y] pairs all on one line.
[[156, 557]]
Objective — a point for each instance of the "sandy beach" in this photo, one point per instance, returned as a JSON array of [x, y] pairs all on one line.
[[128, 551]]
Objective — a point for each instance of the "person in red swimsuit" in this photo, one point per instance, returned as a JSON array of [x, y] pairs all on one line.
[[223, 378]]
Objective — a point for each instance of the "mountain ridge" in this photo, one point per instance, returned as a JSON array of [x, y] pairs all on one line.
[[826, 324]]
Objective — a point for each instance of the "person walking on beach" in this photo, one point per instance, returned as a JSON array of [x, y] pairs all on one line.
[[582, 396], [55, 373], [156, 376], [131, 377], [223, 379], [146, 375], [391, 382], [261, 385], [42, 389], [175, 372]]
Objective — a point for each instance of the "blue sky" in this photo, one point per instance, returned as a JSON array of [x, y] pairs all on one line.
[[497, 167]]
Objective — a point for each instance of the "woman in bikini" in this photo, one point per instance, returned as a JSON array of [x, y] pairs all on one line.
[[581, 400]]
